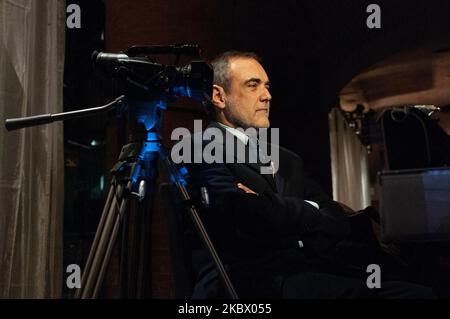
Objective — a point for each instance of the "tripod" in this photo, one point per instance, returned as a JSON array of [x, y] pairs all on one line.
[[125, 173], [133, 175]]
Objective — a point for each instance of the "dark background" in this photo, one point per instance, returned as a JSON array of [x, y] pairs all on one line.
[[310, 49]]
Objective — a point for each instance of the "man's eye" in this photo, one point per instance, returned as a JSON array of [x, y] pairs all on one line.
[[253, 85]]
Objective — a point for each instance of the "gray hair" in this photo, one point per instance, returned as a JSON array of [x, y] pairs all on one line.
[[221, 65]]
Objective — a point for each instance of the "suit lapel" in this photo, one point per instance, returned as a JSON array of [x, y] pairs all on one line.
[[255, 166], [279, 182], [268, 177]]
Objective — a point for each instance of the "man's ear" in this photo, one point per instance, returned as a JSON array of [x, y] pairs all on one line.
[[218, 96]]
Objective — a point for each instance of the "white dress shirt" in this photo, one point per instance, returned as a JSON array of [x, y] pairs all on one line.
[[240, 135]]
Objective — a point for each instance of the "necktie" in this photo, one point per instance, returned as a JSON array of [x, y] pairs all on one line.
[[252, 144], [261, 159]]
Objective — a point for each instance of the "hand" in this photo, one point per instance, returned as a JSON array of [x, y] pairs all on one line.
[[246, 189]]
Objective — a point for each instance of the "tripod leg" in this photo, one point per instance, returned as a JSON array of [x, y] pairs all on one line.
[[174, 173], [212, 251], [88, 265], [104, 239], [123, 250], [111, 242]]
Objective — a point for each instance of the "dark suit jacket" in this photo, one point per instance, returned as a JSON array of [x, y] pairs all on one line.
[[262, 238]]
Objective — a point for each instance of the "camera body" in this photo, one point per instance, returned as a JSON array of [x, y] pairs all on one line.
[[154, 80]]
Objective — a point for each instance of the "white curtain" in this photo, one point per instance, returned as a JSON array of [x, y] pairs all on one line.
[[32, 159], [350, 174]]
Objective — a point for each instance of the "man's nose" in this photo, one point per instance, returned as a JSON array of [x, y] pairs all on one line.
[[265, 96]]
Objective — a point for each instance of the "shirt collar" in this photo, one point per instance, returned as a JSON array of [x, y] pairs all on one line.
[[239, 134]]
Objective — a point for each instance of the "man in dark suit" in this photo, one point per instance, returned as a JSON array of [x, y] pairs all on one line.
[[276, 233]]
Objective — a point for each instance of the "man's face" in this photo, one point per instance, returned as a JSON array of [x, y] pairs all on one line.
[[247, 102]]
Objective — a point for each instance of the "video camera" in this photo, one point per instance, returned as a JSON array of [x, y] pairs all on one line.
[[135, 67]]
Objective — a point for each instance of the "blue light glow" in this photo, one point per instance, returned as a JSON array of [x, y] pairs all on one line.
[[182, 91], [146, 113]]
